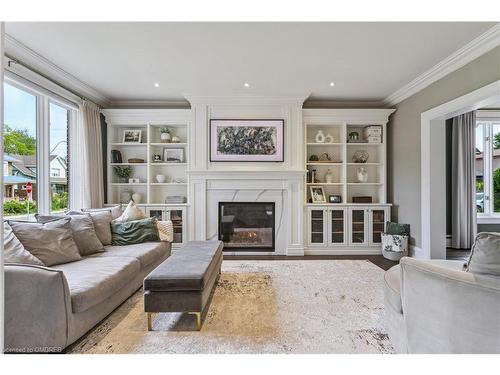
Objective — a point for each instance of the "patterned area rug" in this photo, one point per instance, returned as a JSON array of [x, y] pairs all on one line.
[[303, 306]]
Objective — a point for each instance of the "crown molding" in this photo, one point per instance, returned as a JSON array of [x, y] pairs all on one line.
[[181, 104], [297, 100], [32, 60], [318, 103], [471, 51]]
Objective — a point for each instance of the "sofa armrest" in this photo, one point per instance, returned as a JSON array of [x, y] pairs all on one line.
[[37, 307], [449, 311]]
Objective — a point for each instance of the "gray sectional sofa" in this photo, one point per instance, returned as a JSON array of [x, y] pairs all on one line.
[[49, 308]]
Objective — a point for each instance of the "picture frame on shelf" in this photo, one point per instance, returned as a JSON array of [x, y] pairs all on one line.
[[132, 136], [173, 155], [246, 140], [318, 194]]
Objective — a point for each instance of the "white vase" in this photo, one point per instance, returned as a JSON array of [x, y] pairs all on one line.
[[320, 137], [329, 138], [362, 174], [165, 137], [136, 197], [161, 178], [329, 177]]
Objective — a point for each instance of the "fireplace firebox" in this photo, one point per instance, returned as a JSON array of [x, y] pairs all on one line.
[[247, 226]]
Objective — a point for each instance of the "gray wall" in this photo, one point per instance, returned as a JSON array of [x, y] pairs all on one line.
[[404, 134]]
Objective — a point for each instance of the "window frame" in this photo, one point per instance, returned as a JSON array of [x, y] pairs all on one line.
[[488, 119], [44, 98]]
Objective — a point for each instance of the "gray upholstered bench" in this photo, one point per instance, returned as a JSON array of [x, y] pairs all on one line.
[[184, 281]]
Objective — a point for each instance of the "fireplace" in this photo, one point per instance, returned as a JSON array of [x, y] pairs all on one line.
[[247, 226]]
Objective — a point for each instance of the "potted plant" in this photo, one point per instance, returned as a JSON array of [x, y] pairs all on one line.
[[165, 135], [123, 173]]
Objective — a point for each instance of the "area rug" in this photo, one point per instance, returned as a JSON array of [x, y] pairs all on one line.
[[302, 306]]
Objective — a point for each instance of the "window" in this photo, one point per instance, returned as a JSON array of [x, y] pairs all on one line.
[[488, 168], [20, 152], [36, 127]]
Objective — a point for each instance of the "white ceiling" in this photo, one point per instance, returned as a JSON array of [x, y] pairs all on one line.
[[367, 61]]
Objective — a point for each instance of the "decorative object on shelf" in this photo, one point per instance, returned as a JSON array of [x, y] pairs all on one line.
[[354, 136], [246, 140], [116, 157], [372, 131], [313, 157], [329, 177], [308, 176], [173, 155], [156, 158], [325, 158], [335, 198], [132, 136], [134, 180], [165, 135], [362, 199], [176, 139], [123, 173], [125, 196], [313, 176], [161, 178], [318, 194], [362, 174], [136, 197], [135, 160], [374, 139], [360, 156], [329, 138], [175, 199], [178, 181], [320, 137]]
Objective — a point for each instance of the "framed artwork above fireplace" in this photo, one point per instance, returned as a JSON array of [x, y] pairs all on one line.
[[246, 140]]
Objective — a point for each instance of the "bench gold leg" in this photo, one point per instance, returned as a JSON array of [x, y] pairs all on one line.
[[198, 319], [150, 321]]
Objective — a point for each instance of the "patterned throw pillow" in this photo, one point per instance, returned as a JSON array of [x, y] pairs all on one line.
[[166, 230]]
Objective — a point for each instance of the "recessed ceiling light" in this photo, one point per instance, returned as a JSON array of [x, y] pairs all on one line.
[[332, 84], [157, 84], [246, 84]]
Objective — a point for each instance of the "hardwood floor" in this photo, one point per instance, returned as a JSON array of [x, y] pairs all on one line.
[[378, 260]]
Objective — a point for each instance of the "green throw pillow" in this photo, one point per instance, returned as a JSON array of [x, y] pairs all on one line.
[[132, 232], [397, 229]]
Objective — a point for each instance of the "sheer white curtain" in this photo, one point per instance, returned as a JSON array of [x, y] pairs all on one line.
[[87, 174], [463, 181]]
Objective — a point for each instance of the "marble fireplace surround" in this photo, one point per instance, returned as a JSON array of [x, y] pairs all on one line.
[[283, 187]]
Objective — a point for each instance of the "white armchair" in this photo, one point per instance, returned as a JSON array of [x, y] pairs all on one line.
[[432, 306]]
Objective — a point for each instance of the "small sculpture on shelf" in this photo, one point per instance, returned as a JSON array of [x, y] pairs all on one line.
[[329, 138], [325, 157], [161, 178], [320, 137], [313, 157], [360, 156], [175, 139], [362, 174], [165, 135], [354, 136], [329, 177]]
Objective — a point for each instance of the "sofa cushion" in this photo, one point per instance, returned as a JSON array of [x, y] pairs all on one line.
[[190, 268], [51, 242], [14, 251], [83, 230], [102, 225], [94, 279], [115, 211], [134, 232], [392, 288], [485, 255], [146, 253], [131, 213]]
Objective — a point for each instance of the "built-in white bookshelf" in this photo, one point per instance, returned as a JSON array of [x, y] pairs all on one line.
[[336, 125], [149, 122]]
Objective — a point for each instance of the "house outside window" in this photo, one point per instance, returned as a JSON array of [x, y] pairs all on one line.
[[488, 168]]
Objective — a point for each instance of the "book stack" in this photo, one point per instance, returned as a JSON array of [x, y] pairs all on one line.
[[175, 199], [373, 133]]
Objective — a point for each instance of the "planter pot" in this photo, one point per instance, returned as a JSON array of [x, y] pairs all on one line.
[[165, 137]]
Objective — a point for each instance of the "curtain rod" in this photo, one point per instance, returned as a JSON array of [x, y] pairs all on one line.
[[11, 61]]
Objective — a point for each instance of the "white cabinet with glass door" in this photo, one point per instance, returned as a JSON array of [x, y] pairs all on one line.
[[317, 226]]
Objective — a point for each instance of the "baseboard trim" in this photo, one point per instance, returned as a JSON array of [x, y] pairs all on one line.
[[360, 251]]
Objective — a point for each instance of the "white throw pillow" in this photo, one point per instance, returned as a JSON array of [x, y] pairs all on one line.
[[132, 212], [166, 230]]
